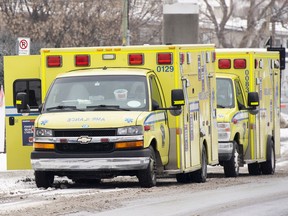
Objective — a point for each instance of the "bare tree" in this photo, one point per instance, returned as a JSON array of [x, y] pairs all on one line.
[[79, 23], [146, 21], [258, 16], [75, 23]]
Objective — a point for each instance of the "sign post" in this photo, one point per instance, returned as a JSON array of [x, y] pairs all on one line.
[[3, 163], [23, 45]]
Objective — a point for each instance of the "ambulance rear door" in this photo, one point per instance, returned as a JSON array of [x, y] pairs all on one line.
[[21, 74]]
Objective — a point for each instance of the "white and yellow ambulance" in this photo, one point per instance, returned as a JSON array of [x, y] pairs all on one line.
[[248, 109], [138, 110]]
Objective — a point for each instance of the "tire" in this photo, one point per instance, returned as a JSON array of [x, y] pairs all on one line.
[[231, 167], [44, 179], [147, 177], [268, 167], [200, 176], [254, 169]]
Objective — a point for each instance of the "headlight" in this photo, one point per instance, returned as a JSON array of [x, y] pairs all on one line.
[[224, 131], [132, 130], [41, 132]]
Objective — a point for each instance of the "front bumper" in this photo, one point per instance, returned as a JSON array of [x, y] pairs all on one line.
[[225, 150], [114, 161]]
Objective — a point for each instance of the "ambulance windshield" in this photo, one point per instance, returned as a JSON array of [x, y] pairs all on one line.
[[105, 93], [225, 97]]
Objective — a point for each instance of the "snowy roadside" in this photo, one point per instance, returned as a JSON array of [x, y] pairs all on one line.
[[19, 182]]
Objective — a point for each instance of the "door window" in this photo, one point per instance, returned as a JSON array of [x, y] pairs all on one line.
[[156, 96], [33, 89]]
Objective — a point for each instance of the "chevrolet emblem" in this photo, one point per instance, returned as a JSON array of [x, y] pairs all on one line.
[[84, 139]]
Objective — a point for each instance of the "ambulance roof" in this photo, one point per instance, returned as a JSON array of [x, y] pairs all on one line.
[[246, 50], [241, 50]]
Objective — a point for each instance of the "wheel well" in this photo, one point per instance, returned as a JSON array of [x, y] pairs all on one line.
[[273, 144], [207, 153], [157, 155], [272, 138], [237, 140]]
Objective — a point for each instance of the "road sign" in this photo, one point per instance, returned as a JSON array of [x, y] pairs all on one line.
[[23, 45]]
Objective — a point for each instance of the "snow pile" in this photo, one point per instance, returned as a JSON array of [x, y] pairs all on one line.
[[283, 120]]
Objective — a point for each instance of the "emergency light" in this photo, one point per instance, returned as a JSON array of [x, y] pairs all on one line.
[[136, 59], [164, 58], [213, 56], [108, 56], [255, 63], [82, 60], [182, 58], [54, 61], [239, 63], [224, 63]]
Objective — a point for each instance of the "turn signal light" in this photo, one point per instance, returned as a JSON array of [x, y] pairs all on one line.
[[125, 145], [54, 61], [47, 146]]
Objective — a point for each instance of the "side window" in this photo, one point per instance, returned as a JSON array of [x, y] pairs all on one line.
[[239, 95], [156, 96], [33, 89]]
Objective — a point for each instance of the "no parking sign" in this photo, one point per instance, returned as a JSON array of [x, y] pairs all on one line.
[[23, 45]]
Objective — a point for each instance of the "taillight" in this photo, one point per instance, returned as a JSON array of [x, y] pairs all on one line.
[[54, 61], [239, 63], [136, 59], [82, 60], [164, 58], [224, 63]]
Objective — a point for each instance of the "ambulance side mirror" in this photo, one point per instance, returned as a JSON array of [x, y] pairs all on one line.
[[177, 97], [22, 102], [253, 102], [177, 100]]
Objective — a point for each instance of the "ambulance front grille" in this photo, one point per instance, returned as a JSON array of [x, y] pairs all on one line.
[[90, 133], [84, 148]]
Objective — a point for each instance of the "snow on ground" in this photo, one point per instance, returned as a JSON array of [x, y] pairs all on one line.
[[10, 181]]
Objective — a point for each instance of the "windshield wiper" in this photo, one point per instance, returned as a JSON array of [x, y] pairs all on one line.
[[62, 107], [107, 107]]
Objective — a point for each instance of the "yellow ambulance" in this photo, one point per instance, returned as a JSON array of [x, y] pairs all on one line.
[[248, 110], [145, 111]]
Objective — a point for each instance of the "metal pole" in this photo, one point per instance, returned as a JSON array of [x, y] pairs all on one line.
[[125, 23]]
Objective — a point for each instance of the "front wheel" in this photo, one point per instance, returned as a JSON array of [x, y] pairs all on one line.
[[147, 177], [231, 167], [44, 179]]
